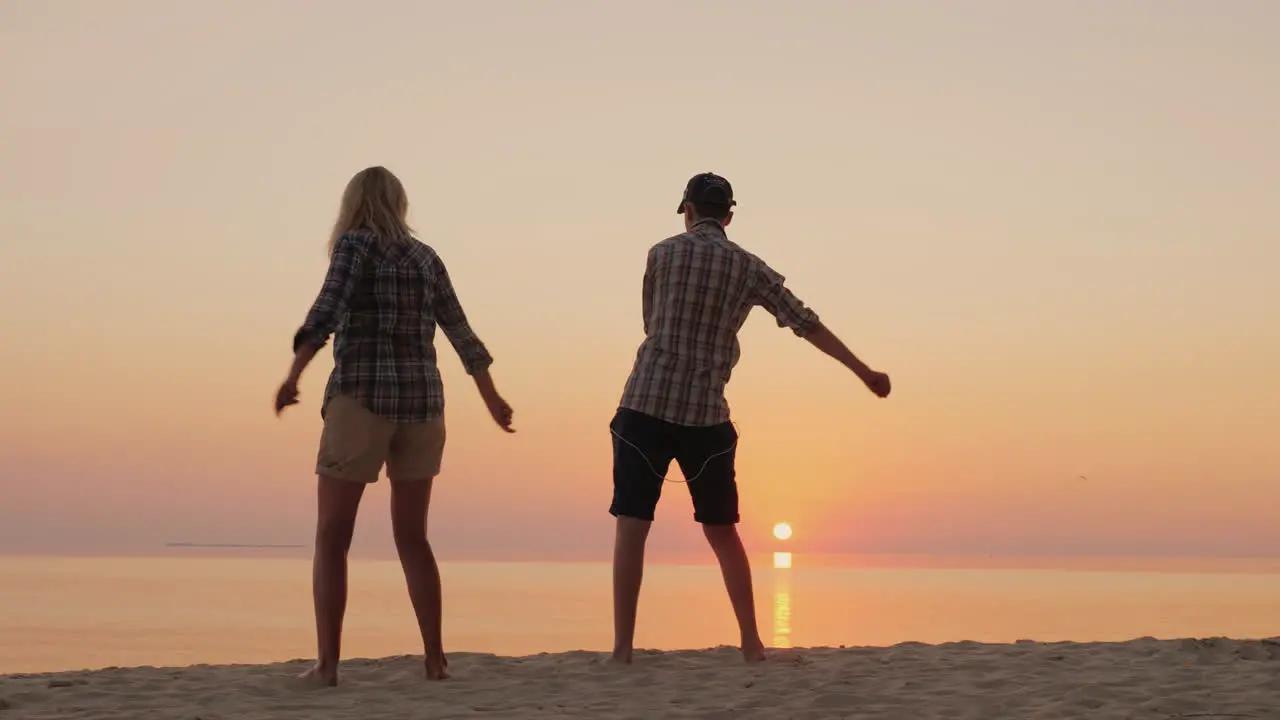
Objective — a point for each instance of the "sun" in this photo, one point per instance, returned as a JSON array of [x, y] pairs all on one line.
[[782, 531]]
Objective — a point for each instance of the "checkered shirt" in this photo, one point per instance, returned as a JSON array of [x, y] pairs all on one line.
[[698, 290], [381, 300]]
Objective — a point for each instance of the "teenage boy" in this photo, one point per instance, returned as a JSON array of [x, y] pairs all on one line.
[[699, 288]]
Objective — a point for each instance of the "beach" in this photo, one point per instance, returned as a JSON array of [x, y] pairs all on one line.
[[1143, 678], [201, 638]]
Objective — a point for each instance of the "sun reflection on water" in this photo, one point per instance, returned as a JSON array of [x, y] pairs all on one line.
[[782, 600]]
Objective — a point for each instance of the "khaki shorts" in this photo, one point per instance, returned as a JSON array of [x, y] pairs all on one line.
[[356, 443]]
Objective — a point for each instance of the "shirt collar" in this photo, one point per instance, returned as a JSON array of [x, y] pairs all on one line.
[[708, 225]]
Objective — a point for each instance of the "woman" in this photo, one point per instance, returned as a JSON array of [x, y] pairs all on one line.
[[382, 298]]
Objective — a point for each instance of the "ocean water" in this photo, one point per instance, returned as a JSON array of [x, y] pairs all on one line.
[[76, 613]]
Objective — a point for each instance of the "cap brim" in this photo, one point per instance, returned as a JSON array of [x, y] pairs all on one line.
[[680, 209]]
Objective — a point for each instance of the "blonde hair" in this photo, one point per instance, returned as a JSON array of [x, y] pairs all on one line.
[[375, 202]]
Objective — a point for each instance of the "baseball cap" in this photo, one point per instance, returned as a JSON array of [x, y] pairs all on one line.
[[707, 188]]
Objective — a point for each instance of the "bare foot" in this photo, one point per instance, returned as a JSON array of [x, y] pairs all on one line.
[[320, 676], [436, 667], [620, 657], [754, 653]]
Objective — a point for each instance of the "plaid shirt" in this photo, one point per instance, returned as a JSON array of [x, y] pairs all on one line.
[[382, 300], [698, 290]]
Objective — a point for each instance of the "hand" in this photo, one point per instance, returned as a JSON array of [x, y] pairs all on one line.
[[499, 410], [287, 395], [877, 382]]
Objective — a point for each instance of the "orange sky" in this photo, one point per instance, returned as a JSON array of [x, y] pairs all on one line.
[[1052, 223]]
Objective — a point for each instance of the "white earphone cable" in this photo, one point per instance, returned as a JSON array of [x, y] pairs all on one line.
[[696, 475]]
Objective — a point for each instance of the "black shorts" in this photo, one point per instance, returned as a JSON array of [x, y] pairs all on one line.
[[705, 454]]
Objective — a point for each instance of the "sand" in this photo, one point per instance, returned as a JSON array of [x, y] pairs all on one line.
[[1215, 678]]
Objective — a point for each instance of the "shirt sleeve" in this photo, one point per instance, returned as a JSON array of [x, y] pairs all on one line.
[[771, 293], [646, 299], [345, 264], [453, 321]]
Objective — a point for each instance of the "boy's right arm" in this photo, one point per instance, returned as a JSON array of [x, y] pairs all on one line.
[[773, 295]]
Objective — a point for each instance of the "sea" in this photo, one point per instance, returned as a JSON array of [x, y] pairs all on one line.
[[73, 613]]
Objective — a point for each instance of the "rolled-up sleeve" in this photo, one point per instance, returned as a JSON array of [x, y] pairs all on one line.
[[771, 293], [646, 288], [453, 321], [348, 256]]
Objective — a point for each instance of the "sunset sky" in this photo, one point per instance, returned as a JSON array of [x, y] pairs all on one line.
[[1055, 224]]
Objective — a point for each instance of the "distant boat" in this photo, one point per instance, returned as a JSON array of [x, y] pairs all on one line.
[[230, 545]]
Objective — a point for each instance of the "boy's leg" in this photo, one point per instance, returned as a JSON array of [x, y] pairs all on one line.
[[641, 456], [707, 456], [628, 572], [736, 570]]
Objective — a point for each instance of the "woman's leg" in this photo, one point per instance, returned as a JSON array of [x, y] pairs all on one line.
[[338, 502], [410, 500]]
